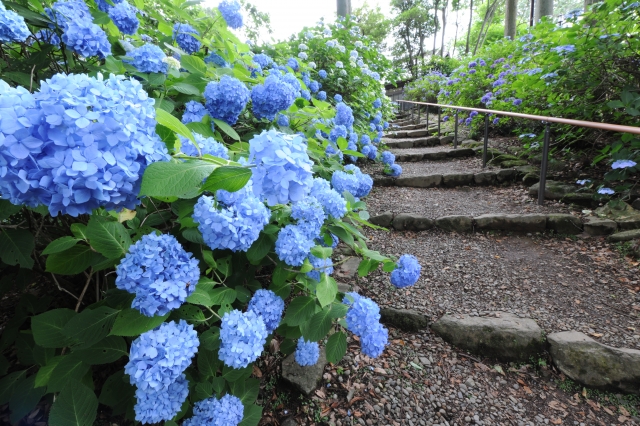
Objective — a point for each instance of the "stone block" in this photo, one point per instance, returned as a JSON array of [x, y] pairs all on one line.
[[451, 180], [511, 222], [429, 181], [417, 133], [455, 223], [484, 178], [564, 223], [506, 175], [385, 181], [624, 236], [304, 378], [461, 152], [383, 219], [434, 156], [412, 222], [404, 319], [553, 190], [596, 227]]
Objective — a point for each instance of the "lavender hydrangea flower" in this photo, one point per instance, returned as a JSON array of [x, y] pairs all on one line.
[[583, 181], [225, 99], [407, 271], [623, 164], [242, 337], [217, 60], [344, 115], [148, 58], [184, 36], [377, 103], [263, 60], [226, 411], [322, 74], [104, 6], [124, 17], [388, 158], [230, 11], [306, 353], [193, 112], [48, 36], [322, 95]]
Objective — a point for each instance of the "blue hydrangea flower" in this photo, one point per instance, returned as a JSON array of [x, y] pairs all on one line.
[[48, 36], [377, 103], [344, 115], [104, 6], [271, 97], [365, 140], [12, 27], [583, 181], [623, 164], [357, 183], [320, 266], [242, 338], [337, 97], [148, 58], [230, 10], [496, 121], [86, 39], [322, 74], [76, 144], [332, 202], [283, 168], [294, 244], [158, 357], [306, 353], [314, 86], [569, 48], [124, 17], [193, 112], [395, 170], [310, 211], [283, 120], [269, 306], [293, 64], [337, 132], [184, 36], [373, 152], [363, 313], [159, 272], [374, 340], [606, 191], [225, 99], [214, 58], [227, 411], [322, 95], [208, 145], [154, 406], [263, 60], [62, 12], [235, 226], [388, 158], [407, 271], [305, 94], [517, 102]]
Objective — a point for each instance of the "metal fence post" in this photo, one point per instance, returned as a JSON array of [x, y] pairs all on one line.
[[543, 167], [418, 114], [439, 121], [455, 133], [427, 118], [486, 140], [412, 108]]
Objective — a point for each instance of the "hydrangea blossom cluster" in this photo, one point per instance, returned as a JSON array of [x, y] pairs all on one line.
[[242, 338], [294, 244], [395, 170], [217, 60], [184, 36], [606, 191], [311, 213], [207, 145], [159, 272], [269, 306], [407, 271], [271, 97], [77, 144], [306, 353], [148, 58], [388, 158], [104, 6], [234, 223], [193, 112], [322, 74], [263, 60], [283, 168], [87, 39], [157, 360], [623, 164], [357, 183], [225, 99], [320, 266], [377, 103], [322, 95], [230, 11], [283, 120], [337, 97], [344, 115], [48, 36], [332, 202], [363, 320], [124, 17], [226, 411], [12, 26]]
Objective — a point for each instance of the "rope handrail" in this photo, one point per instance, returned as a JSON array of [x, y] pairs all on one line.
[[572, 122]]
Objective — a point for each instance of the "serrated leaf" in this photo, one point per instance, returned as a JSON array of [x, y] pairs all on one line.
[[107, 350], [203, 390], [326, 290], [71, 261], [186, 88], [222, 295], [321, 252], [16, 246], [318, 326], [208, 363], [117, 393], [229, 178], [9, 383], [44, 373], [260, 248], [234, 374], [24, 399], [172, 179], [336, 347], [341, 233], [90, 326], [67, 370], [247, 390], [109, 238], [61, 244], [226, 129], [200, 296], [193, 64], [79, 230], [76, 405], [167, 120], [130, 322], [338, 310], [299, 310], [47, 328]]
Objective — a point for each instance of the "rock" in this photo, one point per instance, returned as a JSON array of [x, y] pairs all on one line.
[[595, 226], [593, 364], [580, 198], [506, 175], [556, 165], [636, 204], [289, 422], [411, 222], [417, 133], [622, 236], [524, 170], [484, 178], [626, 216], [508, 337], [446, 140], [511, 222], [348, 269], [383, 219], [429, 141], [440, 155], [397, 134], [500, 158], [404, 319], [513, 163], [457, 179], [304, 378], [531, 178], [401, 144], [455, 223], [554, 190], [419, 181], [344, 288], [461, 152], [564, 223], [385, 181]]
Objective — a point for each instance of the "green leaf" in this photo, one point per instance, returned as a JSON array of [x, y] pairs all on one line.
[[71, 261], [200, 296], [187, 89], [47, 328], [174, 179], [326, 290], [247, 390], [389, 266], [336, 347], [107, 350], [223, 296], [218, 384], [234, 374], [342, 234], [24, 399], [300, 309], [9, 383], [210, 339], [109, 238], [318, 326], [321, 252], [76, 405], [68, 369], [203, 390], [208, 363], [203, 129], [7, 209], [229, 178], [16, 246], [90, 326], [79, 230], [167, 120], [117, 393], [226, 128], [366, 265], [260, 248], [130, 322], [193, 64], [61, 244], [252, 415], [44, 373], [338, 310]]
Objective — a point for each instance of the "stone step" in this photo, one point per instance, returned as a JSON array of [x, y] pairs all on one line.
[[450, 180], [397, 134], [432, 154], [412, 143]]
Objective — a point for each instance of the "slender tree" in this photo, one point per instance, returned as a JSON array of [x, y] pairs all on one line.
[[466, 49], [510, 18], [435, 25], [445, 4], [543, 8], [486, 23]]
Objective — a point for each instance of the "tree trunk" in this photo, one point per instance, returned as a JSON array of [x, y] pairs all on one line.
[[588, 3], [435, 25], [455, 37], [543, 8], [466, 50], [531, 9], [486, 22], [344, 7], [444, 26], [511, 18]]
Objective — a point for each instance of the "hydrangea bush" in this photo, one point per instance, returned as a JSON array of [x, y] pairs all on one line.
[[180, 196]]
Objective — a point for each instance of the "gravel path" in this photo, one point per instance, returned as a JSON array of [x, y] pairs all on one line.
[[474, 201], [462, 165], [425, 150]]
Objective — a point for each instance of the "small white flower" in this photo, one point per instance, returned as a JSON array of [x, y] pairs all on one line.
[[172, 62], [312, 65]]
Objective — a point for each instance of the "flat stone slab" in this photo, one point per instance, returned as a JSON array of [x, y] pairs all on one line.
[[506, 175], [429, 181], [383, 219], [553, 190], [455, 223], [417, 133], [593, 364], [511, 222], [404, 319], [564, 223], [596, 227], [304, 378], [625, 215], [461, 152], [506, 337], [457, 179], [484, 178], [348, 269], [412, 222], [624, 236]]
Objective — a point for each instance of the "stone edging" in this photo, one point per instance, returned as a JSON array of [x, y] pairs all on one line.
[[450, 180], [434, 156]]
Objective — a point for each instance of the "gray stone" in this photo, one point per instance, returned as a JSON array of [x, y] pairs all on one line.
[[580, 198], [404, 319], [553, 190], [348, 269], [506, 175], [419, 181], [636, 204], [304, 378], [411, 222], [525, 170], [417, 133], [484, 178], [593, 364], [383, 219], [344, 288], [508, 337], [627, 224], [451, 180], [398, 134], [564, 223], [626, 216], [461, 152], [401, 144], [409, 157], [455, 223], [289, 422], [624, 236], [384, 181], [446, 140], [510, 164], [431, 156], [596, 227], [511, 222]]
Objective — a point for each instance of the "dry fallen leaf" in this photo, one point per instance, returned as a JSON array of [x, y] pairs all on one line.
[[556, 421], [606, 410], [256, 371], [622, 419], [624, 411]]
